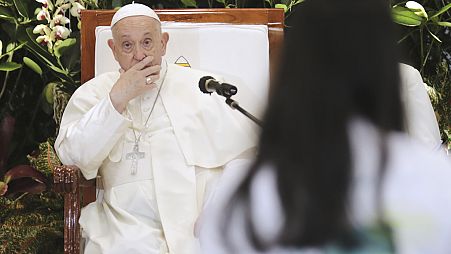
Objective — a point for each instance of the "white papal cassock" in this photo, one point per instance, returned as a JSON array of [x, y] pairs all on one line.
[[187, 141]]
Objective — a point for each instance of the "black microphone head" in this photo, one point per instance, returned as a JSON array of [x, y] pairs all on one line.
[[203, 84], [227, 90]]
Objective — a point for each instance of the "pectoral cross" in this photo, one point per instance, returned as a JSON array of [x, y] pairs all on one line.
[[135, 156]]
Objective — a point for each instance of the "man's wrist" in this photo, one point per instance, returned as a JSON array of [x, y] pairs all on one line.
[[118, 102]]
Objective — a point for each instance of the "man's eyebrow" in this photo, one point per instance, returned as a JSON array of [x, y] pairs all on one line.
[[148, 33]]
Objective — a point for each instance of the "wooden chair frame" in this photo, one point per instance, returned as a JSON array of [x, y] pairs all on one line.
[[67, 179]]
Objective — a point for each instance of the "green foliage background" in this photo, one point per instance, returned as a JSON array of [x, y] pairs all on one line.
[[36, 83]]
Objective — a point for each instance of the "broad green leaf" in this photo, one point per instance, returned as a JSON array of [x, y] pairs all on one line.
[[5, 13], [62, 46], [32, 65], [405, 16], [71, 55], [21, 8], [448, 24], [8, 28], [442, 10], [189, 3], [282, 6], [9, 66], [48, 92]]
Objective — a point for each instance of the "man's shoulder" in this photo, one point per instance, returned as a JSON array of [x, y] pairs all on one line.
[[99, 84], [104, 79]]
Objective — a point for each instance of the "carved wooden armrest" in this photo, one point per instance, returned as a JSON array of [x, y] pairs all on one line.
[[68, 181]]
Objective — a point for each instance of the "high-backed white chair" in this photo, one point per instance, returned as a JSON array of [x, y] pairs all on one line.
[[240, 45], [421, 122]]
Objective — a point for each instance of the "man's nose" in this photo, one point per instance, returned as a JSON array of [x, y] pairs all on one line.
[[139, 53]]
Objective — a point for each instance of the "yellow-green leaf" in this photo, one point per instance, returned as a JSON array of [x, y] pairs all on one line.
[[9, 66], [406, 17], [48, 92], [434, 36], [189, 3], [61, 46], [443, 23], [32, 65], [442, 10], [282, 6]]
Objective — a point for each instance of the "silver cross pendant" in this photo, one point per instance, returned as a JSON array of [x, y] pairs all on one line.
[[134, 157]]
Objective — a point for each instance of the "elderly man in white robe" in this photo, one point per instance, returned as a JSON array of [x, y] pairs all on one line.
[[158, 144]]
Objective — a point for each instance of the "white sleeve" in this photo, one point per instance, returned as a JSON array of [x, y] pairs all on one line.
[[90, 129], [420, 117]]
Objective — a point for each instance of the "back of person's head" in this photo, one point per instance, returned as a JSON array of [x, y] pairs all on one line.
[[339, 63], [339, 60]]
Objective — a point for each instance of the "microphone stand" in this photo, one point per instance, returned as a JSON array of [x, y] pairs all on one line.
[[234, 105]]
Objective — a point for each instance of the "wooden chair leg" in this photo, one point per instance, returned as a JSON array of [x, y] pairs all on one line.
[[71, 226]]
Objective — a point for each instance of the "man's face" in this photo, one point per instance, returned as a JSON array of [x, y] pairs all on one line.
[[135, 38]]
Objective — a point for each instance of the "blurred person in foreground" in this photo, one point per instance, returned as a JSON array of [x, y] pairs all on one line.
[[335, 173]]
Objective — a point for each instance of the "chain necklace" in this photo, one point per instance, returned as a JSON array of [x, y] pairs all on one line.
[[136, 155]]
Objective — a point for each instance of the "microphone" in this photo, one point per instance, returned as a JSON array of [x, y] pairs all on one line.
[[208, 84]]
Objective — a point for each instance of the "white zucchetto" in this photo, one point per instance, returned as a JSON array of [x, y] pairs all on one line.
[[133, 9]]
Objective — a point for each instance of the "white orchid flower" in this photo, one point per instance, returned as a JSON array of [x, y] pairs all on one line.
[[64, 7], [46, 40], [47, 36], [417, 8], [59, 20], [60, 2], [76, 8], [46, 4], [43, 14], [42, 30], [61, 32]]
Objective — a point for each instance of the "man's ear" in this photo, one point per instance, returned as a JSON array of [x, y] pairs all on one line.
[[112, 47], [164, 42], [111, 44]]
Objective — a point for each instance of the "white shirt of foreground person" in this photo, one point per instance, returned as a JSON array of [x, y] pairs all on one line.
[[153, 195], [416, 199]]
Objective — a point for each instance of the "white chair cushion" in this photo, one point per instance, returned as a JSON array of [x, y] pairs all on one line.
[[238, 53]]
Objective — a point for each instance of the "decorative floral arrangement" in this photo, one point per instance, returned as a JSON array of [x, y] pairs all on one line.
[[39, 70], [55, 31]]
